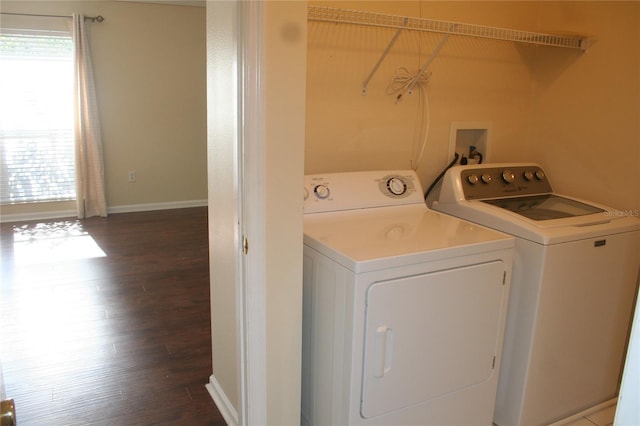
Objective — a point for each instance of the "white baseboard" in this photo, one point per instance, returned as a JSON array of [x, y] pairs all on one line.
[[56, 214], [156, 206], [222, 402], [589, 411]]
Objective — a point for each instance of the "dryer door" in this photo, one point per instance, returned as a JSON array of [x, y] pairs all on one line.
[[431, 335]]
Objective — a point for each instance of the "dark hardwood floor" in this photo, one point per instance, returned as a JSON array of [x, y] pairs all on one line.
[[106, 320]]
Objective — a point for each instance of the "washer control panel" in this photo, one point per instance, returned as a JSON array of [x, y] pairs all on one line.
[[495, 182], [357, 190]]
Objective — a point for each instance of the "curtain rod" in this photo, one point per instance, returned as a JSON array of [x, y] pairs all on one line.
[[98, 18]]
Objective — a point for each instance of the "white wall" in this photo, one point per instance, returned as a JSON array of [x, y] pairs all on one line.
[[628, 410]]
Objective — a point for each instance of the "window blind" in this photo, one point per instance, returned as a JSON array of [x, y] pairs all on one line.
[[36, 117]]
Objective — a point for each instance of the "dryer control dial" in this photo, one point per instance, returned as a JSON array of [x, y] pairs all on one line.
[[528, 175], [508, 176], [472, 179], [486, 178], [396, 186], [540, 174], [322, 191]]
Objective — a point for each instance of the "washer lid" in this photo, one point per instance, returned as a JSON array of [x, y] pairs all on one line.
[[386, 237], [545, 207]]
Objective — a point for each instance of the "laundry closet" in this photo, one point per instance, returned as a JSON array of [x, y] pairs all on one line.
[[423, 85]]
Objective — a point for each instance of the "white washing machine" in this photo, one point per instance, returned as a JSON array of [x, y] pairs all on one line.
[[404, 308], [575, 277]]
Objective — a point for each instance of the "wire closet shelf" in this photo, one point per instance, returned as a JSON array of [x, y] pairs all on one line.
[[347, 16]]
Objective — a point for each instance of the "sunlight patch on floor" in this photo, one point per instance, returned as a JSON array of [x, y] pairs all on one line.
[[53, 242]]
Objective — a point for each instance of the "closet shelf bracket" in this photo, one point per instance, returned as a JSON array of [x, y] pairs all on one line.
[[384, 55], [347, 16], [429, 60]]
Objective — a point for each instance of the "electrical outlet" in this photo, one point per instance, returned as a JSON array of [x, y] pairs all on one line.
[[132, 176]]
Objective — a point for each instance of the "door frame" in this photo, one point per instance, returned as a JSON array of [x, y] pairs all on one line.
[[251, 177]]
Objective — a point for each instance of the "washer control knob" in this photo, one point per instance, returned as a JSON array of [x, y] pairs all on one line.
[[486, 178], [472, 179], [396, 186], [528, 175], [322, 191], [540, 174], [508, 176]]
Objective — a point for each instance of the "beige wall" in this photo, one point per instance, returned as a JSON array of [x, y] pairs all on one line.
[[284, 103], [224, 240], [149, 64], [473, 80], [576, 113], [586, 109]]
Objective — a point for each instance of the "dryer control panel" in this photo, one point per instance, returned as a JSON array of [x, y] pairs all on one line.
[[359, 190], [484, 182]]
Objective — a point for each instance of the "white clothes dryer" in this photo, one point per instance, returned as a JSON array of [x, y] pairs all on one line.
[[575, 277], [404, 308]]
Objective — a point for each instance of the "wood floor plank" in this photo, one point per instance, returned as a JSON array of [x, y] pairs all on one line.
[[120, 338]]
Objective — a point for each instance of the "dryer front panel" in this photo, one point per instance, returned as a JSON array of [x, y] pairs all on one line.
[[430, 335]]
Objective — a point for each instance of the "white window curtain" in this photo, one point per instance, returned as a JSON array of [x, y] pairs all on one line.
[[90, 188]]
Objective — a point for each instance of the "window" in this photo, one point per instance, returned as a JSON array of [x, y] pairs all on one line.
[[36, 117]]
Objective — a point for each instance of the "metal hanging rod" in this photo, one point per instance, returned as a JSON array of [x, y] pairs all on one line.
[[329, 14], [98, 18]]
